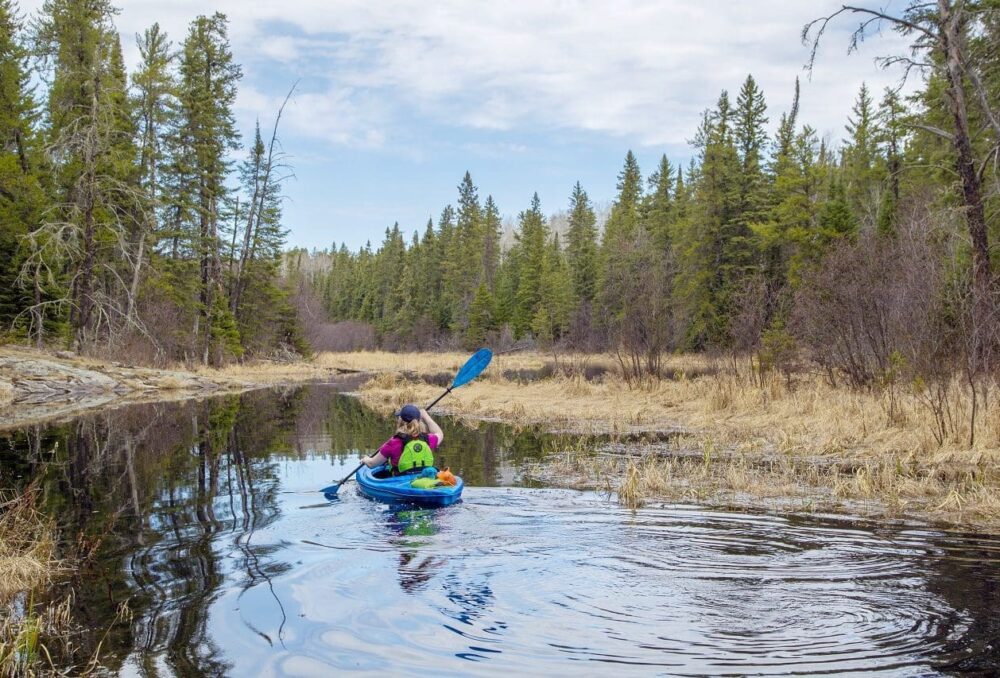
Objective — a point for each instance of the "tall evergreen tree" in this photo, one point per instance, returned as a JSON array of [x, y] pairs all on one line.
[[208, 80], [619, 231], [705, 258], [892, 125], [90, 131], [581, 246], [659, 213], [492, 229], [750, 137], [864, 168], [21, 194], [532, 236], [155, 104]]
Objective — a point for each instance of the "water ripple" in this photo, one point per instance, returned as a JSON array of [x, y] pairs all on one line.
[[536, 582]]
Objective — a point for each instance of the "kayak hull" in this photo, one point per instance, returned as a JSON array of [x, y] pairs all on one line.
[[397, 490]]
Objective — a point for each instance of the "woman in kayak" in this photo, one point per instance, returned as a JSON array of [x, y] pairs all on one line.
[[412, 447]]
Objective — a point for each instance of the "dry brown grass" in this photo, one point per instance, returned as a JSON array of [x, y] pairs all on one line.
[[27, 563], [27, 546], [31, 631], [429, 363], [804, 443]]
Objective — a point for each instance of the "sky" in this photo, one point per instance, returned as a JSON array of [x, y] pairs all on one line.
[[394, 101]]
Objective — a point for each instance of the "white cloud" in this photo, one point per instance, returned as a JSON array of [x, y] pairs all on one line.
[[641, 70]]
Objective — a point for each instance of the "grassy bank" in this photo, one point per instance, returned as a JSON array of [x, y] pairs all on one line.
[[794, 441]]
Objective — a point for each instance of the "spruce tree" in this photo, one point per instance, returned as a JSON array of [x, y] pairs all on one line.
[[706, 258], [21, 195], [619, 231], [863, 165], [892, 125], [154, 103], [208, 80], [90, 130], [659, 214], [581, 246], [492, 229], [750, 137], [532, 236]]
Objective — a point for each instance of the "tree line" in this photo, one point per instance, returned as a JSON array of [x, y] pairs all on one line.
[[125, 226], [872, 257]]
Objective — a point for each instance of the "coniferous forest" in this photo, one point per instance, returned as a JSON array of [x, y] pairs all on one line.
[[126, 228], [872, 258]]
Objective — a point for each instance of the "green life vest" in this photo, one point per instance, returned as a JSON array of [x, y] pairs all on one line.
[[417, 453]]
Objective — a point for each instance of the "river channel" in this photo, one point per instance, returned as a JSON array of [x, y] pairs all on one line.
[[204, 517]]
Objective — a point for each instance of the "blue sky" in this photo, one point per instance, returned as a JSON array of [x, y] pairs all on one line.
[[396, 100]]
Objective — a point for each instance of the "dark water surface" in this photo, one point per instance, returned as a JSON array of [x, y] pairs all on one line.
[[202, 516]]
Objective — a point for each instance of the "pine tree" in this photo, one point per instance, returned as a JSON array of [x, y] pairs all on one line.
[[659, 213], [619, 231], [581, 247], [532, 236], [208, 79], [90, 131], [21, 194], [863, 166]]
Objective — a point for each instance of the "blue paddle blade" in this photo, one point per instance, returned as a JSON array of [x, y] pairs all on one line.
[[473, 367]]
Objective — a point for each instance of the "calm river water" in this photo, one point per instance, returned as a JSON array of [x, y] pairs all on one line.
[[204, 517]]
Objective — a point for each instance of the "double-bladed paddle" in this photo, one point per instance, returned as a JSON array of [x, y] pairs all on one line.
[[472, 368]]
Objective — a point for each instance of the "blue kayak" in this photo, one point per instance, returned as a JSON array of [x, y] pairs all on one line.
[[377, 484]]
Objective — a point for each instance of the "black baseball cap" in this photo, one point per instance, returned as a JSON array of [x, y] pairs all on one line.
[[408, 412]]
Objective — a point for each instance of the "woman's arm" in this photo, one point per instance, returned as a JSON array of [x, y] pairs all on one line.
[[431, 425], [375, 460]]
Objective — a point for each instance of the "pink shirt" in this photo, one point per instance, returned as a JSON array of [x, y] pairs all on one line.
[[392, 449]]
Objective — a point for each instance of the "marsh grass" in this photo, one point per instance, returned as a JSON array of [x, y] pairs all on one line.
[[793, 438], [33, 631], [27, 564], [27, 545]]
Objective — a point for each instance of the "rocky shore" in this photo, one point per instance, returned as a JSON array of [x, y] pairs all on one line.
[[37, 386]]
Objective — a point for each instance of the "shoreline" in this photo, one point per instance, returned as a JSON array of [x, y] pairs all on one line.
[[673, 442], [42, 387]]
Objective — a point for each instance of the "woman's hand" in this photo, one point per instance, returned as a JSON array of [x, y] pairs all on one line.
[[367, 461]]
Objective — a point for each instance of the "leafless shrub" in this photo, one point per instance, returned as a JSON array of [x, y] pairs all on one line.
[[754, 337], [348, 335], [638, 310], [873, 310]]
